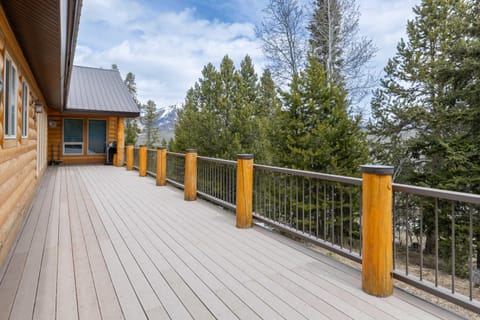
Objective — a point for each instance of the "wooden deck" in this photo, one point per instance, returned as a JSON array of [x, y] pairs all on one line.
[[103, 243]]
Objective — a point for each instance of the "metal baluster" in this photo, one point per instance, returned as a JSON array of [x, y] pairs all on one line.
[[303, 205], [317, 222], [453, 247], [436, 242], [333, 215], [296, 204], [421, 243], [324, 212], [406, 234], [310, 206], [341, 217], [470, 253], [350, 222]]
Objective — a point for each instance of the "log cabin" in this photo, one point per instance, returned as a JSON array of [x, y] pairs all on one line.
[[50, 110]]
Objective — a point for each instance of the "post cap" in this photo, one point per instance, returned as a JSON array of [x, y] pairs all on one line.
[[191, 151], [130, 145], [161, 148], [377, 169], [143, 146], [245, 156]]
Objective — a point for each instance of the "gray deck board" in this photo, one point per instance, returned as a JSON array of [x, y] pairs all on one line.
[[103, 243]]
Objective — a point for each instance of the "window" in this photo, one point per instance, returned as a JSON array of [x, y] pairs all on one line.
[[72, 136], [24, 110], [97, 136], [10, 99]]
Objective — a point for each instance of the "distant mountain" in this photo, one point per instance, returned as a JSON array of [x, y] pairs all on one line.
[[167, 117]]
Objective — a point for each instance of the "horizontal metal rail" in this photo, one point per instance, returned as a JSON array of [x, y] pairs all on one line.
[[214, 160], [176, 154], [438, 193], [311, 174]]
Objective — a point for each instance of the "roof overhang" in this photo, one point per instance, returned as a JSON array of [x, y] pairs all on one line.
[[47, 33], [85, 112]]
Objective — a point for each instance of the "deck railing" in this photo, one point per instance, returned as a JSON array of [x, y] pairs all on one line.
[[217, 181], [436, 241], [436, 233], [319, 207], [175, 168], [136, 152], [151, 162]]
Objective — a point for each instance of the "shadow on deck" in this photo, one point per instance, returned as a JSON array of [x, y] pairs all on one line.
[[102, 243]]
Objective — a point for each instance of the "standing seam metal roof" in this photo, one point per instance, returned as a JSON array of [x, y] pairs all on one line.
[[99, 91]]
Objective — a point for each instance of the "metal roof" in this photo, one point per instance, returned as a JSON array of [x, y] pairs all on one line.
[[99, 91], [47, 31]]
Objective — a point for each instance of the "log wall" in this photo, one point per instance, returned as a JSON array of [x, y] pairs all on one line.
[[55, 138], [19, 169]]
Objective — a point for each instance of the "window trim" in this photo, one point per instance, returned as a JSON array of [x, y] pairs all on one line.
[[88, 137], [6, 92], [73, 143], [25, 105]]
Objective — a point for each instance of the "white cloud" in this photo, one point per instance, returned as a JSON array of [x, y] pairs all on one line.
[[385, 21], [165, 50]]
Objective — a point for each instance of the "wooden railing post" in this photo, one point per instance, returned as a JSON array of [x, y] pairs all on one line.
[[129, 155], [162, 166], [244, 190], [120, 142], [142, 161], [377, 278], [190, 182]]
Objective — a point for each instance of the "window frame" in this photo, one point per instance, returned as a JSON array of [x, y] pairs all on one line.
[[88, 137], [25, 105], [6, 98], [73, 143]]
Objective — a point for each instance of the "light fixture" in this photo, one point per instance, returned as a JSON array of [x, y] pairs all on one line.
[[38, 106]]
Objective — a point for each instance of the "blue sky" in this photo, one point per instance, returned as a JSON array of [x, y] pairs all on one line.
[[166, 43]]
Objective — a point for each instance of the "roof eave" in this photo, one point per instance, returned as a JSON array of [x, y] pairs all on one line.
[[101, 113], [46, 31]]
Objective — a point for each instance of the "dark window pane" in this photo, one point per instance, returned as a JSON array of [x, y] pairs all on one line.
[[97, 136], [73, 130]]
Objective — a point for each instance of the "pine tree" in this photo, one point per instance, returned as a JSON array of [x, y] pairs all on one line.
[[149, 121], [222, 115], [423, 116], [132, 130], [318, 132]]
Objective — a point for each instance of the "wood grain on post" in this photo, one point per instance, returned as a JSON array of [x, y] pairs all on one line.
[[377, 263], [244, 190], [129, 155], [190, 182], [120, 142], [142, 161], [161, 166]]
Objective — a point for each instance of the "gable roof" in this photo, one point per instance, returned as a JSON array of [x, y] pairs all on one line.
[[46, 30], [99, 91]]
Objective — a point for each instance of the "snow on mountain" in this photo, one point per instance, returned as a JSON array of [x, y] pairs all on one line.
[[167, 117]]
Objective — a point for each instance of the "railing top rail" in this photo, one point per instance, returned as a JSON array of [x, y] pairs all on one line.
[[222, 161], [176, 154], [311, 174], [438, 193]]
